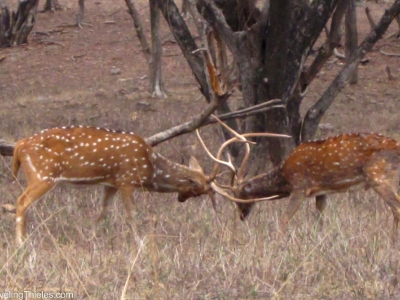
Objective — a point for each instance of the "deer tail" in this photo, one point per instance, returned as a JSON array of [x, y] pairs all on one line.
[[16, 162]]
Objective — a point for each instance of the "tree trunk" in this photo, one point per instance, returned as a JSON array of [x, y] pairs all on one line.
[[16, 27], [351, 36], [155, 64], [139, 28], [81, 13], [51, 5]]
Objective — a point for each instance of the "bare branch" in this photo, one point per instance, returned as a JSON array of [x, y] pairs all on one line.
[[188, 126], [206, 120], [327, 49], [216, 19], [369, 17]]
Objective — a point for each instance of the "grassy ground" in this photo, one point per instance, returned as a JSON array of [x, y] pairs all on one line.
[[180, 251]]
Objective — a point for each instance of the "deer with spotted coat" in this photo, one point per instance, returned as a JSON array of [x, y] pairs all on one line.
[[335, 165], [119, 161]]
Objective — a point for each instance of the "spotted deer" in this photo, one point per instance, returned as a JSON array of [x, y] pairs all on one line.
[[119, 161], [335, 165]]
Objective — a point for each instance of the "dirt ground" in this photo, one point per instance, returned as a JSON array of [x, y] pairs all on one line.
[[64, 76]]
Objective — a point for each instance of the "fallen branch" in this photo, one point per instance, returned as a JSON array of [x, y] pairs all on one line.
[[389, 53], [51, 43]]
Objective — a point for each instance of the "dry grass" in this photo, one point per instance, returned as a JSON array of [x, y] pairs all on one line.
[[185, 251]]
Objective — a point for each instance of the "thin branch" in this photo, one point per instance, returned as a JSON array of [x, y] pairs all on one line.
[[369, 17], [188, 126], [327, 49], [239, 114], [204, 119], [214, 16]]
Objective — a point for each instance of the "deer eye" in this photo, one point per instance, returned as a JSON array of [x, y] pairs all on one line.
[[194, 183]]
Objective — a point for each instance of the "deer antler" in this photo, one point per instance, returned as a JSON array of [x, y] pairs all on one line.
[[241, 138], [238, 138], [222, 192]]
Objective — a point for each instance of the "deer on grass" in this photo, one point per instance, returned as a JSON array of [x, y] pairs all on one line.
[[335, 165], [119, 161]]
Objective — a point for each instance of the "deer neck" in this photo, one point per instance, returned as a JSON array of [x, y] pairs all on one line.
[[265, 185], [169, 176]]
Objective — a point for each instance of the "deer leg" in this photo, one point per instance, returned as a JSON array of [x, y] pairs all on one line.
[[393, 200], [32, 193], [320, 204], [108, 194], [126, 195], [396, 218], [384, 172], [295, 201]]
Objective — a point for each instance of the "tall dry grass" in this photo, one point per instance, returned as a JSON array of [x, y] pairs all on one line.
[[186, 251]]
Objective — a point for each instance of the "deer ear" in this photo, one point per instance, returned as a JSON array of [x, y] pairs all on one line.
[[194, 164]]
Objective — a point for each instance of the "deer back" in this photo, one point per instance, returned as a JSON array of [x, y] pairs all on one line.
[[335, 164], [87, 155]]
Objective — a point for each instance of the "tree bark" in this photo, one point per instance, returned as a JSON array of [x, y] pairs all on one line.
[[16, 27], [186, 43], [51, 5], [351, 36], [294, 26], [155, 63], [81, 13], [137, 23]]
